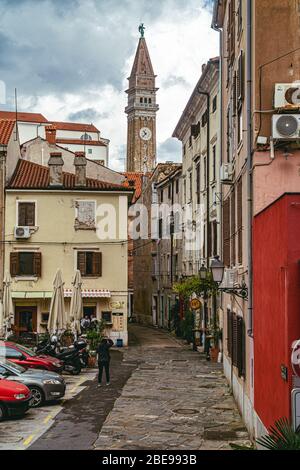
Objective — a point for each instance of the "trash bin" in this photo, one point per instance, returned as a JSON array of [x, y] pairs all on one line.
[[119, 343]]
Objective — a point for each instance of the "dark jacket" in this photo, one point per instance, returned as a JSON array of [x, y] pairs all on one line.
[[103, 351]]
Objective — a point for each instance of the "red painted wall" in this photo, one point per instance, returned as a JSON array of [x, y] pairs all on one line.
[[276, 271]]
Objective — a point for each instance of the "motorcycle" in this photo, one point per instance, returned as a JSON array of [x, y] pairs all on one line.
[[69, 356]]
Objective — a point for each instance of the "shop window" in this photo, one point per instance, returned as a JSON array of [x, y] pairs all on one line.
[[106, 316], [89, 263]]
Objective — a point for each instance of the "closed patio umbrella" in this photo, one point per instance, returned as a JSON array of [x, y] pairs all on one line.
[[76, 307], [8, 306], [57, 317]]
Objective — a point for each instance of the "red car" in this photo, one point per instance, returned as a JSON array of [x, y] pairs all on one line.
[[27, 358], [14, 399]]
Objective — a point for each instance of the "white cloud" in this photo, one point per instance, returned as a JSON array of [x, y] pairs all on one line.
[[179, 39]]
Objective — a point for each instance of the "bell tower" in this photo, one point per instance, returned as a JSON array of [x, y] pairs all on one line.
[[141, 111]]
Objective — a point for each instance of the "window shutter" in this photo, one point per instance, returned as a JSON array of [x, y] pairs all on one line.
[[229, 333], [14, 264], [215, 238], [26, 214], [21, 214], [81, 262], [97, 264], [37, 264], [30, 216], [234, 340], [240, 220], [233, 228], [226, 232], [241, 346], [240, 79]]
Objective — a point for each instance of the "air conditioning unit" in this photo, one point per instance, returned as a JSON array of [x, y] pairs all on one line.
[[22, 232], [287, 95], [226, 173], [286, 126]]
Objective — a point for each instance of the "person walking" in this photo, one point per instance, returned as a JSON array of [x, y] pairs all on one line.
[[104, 359]]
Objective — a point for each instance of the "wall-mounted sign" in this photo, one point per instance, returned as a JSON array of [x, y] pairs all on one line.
[[195, 304], [295, 357], [116, 305]]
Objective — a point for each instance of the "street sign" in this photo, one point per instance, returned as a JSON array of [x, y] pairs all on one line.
[[195, 304]]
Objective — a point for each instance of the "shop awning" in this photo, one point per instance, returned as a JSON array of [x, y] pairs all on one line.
[[86, 293], [91, 293], [32, 295]]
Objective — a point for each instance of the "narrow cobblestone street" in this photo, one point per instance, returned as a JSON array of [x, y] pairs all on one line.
[[174, 399]]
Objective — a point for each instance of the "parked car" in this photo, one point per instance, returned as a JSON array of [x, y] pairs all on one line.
[[44, 385], [27, 358], [14, 399]]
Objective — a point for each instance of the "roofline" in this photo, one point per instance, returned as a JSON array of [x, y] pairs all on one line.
[[173, 174], [73, 190], [212, 61]]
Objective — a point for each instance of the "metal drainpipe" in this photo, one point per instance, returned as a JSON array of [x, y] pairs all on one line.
[[249, 165]]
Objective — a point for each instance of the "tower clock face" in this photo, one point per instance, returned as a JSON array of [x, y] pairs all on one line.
[[145, 133]]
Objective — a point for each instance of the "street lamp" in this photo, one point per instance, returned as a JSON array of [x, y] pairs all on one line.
[[202, 272], [217, 269]]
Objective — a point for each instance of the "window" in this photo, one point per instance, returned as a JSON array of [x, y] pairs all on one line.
[[204, 119], [170, 191], [198, 182], [26, 214], [226, 232], [141, 100], [191, 186], [154, 266], [85, 215], [195, 130], [161, 195], [90, 151], [177, 186], [106, 316], [85, 137], [240, 220], [240, 126], [214, 104], [26, 264], [89, 263], [233, 228], [10, 353], [236, 344], [214, 163], [150, 100]]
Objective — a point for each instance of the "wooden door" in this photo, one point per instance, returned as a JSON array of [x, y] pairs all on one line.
[[25, 319]]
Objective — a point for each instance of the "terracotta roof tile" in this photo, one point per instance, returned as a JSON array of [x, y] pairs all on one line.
[[6, 129], [74, 126], [29, 175], [24, 117], [134, 179], [95, 143]]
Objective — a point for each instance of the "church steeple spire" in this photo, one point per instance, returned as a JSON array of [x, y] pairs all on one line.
[[141, 111]]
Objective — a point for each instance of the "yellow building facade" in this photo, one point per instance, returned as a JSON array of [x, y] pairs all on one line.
[[51, 226]]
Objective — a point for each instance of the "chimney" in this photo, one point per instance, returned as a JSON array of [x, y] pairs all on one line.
[[51, 135], [80, 169], [55, 164]]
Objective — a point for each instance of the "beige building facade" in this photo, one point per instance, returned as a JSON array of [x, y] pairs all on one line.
[[60, 212]]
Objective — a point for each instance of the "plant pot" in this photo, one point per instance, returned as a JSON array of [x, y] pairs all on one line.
[[214, 353], [92, 362]]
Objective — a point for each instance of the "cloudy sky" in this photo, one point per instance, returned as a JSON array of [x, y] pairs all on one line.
[[70, 59]]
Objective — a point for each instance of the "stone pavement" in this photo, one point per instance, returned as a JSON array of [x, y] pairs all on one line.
[[174, 399]]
